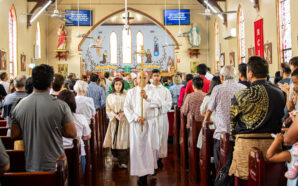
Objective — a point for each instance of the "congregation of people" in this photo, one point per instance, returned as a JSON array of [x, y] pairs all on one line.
[[45, 112]]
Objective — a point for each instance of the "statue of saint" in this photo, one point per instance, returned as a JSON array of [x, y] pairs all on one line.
[[195, 38], [148, 56], [170, 64], [62, 37], [104, 57]]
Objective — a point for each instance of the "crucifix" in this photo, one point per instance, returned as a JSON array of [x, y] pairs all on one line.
[[127, 17], [142, 52]]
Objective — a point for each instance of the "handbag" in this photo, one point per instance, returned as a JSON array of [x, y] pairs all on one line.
[[222, 177]]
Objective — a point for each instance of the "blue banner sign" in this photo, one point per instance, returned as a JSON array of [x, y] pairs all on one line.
[[171, 17], [84, 17]]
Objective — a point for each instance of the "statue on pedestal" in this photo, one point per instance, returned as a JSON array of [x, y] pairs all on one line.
[[62, 33], [194, 36]]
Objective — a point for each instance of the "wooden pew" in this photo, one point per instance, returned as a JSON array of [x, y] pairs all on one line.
[[263, 173], [88, 168], [93, 151], [8, 142], [74, 164], [177, 121], [3, 131], [99, 129], [59, 177], [2, 123], [183, 142], [104, 122], [224, 149], [17, 160], [193, 151], [207, 169]]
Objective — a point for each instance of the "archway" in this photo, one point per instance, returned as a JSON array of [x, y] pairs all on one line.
[[97, 47]]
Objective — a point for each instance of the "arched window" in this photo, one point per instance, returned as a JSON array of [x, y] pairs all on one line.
[[37, 44], [241, 36], [284, 30], [12, 29], [140, 43], [217, 47], [126, 46], [113, 48]]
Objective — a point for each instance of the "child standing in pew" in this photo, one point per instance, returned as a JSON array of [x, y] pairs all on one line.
[[288, 156], [81, 124], [117, 135]]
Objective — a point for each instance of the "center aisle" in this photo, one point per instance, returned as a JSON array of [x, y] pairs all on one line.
[[170, 174]]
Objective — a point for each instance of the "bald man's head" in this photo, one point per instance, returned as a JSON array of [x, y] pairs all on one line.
[[145, 80], [19, 81]]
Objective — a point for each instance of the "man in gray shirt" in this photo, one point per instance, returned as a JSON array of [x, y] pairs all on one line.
[[41, 120], [11, 100]]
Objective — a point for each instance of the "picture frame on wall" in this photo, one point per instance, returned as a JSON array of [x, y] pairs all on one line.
[[251, 52], [232, 58], [3, 60], [63, 69], [193, 66], [268, 52], [23, 62]]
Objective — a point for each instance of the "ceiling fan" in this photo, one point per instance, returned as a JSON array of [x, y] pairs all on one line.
[[60, 15], [56, 14]]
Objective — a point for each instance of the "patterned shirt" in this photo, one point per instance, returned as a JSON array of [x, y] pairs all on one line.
[[191, 106], [175, 91], [97, 93], [257, 109], [220, 101]]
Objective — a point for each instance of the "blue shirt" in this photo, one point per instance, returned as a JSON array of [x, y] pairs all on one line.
[[286, 80], [97, 93]]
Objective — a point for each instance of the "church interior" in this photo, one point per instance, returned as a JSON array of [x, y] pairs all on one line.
[[80, 38]]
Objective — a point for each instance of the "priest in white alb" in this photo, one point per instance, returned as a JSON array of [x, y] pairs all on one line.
[[143, 144], [163, 122]]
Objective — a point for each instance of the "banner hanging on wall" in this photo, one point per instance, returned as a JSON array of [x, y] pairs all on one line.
[[259, 39]]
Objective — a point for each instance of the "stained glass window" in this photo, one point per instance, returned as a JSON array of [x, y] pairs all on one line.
[[285, 43], [126, 46], [113, 48], [12, 29], [37, 44], [140, 43], [217, 47], [241, 35]]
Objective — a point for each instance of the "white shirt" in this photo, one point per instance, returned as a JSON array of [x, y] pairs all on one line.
[[82, 128], [85, 106], [5, 85], [209, 76], [163, 123]]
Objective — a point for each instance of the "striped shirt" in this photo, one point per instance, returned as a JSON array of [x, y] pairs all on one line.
[[97, 93], [191, 106]]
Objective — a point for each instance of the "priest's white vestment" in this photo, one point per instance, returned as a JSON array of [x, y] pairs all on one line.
[[143, 145], [163, 121]]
